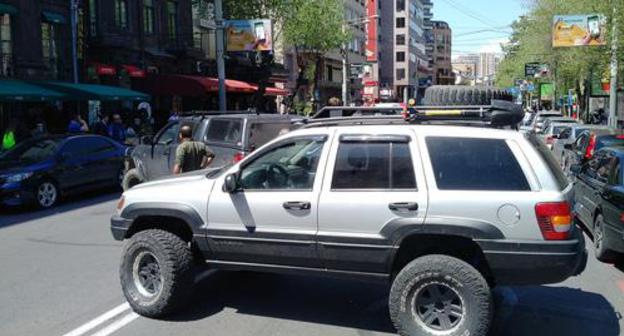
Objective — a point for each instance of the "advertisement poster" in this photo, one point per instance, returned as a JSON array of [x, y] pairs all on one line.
[[533, 69], [371, 35], [579, 30], [547, 91], [248, 35]]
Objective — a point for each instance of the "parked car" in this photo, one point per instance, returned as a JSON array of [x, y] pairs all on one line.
[[568, 136], [231, 136], [441, 213], [537, 125], [42, 170], [599, 201], [552, 133], [558, 120], [587, 143]]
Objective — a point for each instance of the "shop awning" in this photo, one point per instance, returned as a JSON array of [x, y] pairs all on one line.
[[182, 85], [7, 9], [94, 92], [20, 91], [272, 91], [53, 17]]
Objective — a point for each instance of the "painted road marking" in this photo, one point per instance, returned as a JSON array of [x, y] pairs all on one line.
[[99, 320], [111, 328]]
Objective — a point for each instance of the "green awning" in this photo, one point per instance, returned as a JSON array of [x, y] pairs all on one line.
[[7, 9], [20, 91], [53, 17], [94, 92]]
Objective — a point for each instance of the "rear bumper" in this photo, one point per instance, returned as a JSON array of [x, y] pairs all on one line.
[[535, 263]]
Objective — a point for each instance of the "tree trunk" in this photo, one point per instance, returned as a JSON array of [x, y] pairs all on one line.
[[317, 77]]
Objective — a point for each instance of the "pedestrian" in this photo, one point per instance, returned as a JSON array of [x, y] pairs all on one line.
[[77, 124], [191, 155], [8, 137], [101, 126], [116, 129]]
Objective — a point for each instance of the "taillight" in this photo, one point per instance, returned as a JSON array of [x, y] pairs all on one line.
[[554, 219], [237, 157], [589, 153], [620, 137]]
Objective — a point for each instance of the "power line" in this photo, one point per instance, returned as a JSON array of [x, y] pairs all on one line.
[[469, 12], [477, 32]]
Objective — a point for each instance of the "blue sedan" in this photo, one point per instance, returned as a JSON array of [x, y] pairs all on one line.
[[41, 170]]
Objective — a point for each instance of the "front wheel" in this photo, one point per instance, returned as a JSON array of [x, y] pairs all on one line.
[[156, 272], [47, 194], [440, 295], [130, 179]]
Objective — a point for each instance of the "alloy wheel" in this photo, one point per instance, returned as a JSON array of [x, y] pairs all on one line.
[[598, 236], [146, 273], [438, 307], [47, 194]]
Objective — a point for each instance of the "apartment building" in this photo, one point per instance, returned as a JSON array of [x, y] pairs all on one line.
[[442, 46]]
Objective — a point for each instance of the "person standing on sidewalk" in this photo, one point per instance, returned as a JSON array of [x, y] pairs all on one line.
[[191, 155]]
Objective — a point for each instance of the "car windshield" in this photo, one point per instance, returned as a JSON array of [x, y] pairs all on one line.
[[31, 151]]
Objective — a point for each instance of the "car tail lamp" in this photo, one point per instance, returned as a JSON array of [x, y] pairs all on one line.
[[589, 152], [555, 220], [621, 136], [237, 157]]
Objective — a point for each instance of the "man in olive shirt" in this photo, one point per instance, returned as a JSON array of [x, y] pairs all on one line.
[[191, 155]]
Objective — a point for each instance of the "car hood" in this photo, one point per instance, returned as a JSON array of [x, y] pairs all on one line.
[[189, 177]]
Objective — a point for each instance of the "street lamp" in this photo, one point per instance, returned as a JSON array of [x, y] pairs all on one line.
[[345, 54]]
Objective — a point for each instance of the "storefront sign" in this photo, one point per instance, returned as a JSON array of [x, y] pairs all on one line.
[[579, 30], [105, 70], [371, 31], [249, 35]]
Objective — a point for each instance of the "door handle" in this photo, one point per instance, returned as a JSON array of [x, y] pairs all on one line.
[[297, 205], [409, 206]]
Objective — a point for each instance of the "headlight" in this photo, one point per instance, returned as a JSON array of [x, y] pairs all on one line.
[[18, 177]]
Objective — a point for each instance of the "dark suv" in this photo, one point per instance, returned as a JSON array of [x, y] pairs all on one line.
[[231, 136]]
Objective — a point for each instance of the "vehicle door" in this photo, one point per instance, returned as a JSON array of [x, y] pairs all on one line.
[[273, 218], [592, 181], [374, 184], [105, 161], [612, 200], [74, 164], [158, 162]]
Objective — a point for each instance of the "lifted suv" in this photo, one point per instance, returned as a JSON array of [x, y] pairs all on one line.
[[441, 218], [230, 135]]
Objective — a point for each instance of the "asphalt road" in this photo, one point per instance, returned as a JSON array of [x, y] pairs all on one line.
[[59, 277]]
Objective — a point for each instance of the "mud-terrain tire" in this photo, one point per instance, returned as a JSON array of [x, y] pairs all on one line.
[[440, 295], [600, 249], [156, 272], [463, 95], [131, 178]]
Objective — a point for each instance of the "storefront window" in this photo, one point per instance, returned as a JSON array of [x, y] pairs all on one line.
[[148, 17], [49, 46], [6, 45], [172, 19], [121, 13]]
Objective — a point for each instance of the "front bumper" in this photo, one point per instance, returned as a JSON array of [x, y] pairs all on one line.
[[535, 263], [15, 195], [119, 227]]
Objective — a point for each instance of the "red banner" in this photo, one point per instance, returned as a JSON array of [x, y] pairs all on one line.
[[371, 30]]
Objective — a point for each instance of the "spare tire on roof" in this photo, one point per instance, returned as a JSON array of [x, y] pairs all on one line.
[[464, 95]]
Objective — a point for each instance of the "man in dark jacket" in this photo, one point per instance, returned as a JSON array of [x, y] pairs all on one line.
[[116, 129]]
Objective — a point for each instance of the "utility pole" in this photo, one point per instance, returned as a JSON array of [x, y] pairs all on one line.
[[74, 30], [613, 98], [220, 54]]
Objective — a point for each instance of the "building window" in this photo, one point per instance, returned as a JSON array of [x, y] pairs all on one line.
[[148, 17], [400, 39], [6, 46], [121, 13], [330, 73], [400, 56], [400, 74], [400, 22], [49, 44], [400, 5], [92, 18], [172, 18]]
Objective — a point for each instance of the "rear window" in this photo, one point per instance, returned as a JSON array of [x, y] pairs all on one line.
[[475, 164], [551, 162], [227, 131]]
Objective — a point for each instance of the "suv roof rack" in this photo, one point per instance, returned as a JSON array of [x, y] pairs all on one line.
[[210, 113], [498, 114]]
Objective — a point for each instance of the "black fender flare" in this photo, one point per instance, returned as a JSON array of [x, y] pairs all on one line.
[[181, 211]]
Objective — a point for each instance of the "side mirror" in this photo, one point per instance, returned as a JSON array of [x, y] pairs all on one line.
[[147, 140], [230, 184], [576, 169]]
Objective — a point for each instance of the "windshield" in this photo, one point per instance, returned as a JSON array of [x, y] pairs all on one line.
[[32, 151]]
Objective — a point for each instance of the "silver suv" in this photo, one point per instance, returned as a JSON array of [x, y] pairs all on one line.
[[441, 213]]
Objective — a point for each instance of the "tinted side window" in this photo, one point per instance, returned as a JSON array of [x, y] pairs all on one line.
[[99, 145], [475, 164], [364, 165], [169, 135], [225, 130], [261, 133]]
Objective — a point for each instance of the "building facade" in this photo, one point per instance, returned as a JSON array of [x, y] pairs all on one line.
[[442, 46], [488, 64]]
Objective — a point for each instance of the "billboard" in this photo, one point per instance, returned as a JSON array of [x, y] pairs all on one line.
[[248, 35], [533, 69], [547, 91], [579, 30], [371, 31]]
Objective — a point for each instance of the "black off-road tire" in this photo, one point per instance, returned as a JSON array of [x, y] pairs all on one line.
[[131, 178], [463, 95], [470, 287], [600, 249], [175, 260]]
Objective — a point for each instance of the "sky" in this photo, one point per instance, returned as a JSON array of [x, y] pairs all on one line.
[[478, 25]]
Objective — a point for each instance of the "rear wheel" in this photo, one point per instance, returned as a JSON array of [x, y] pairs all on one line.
[[600, 249], [440, 295]]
